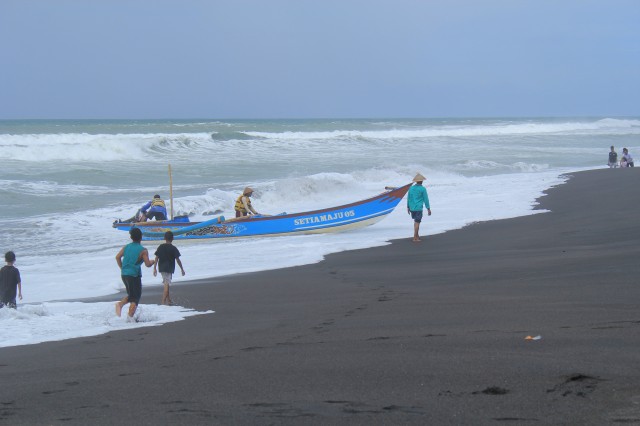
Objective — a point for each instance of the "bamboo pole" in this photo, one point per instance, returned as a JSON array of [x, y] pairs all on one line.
[[171, 190]]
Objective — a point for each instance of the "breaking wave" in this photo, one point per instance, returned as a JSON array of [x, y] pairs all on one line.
[[85, 147]]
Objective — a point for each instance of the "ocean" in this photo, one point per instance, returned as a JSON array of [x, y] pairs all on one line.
[[63, 183]]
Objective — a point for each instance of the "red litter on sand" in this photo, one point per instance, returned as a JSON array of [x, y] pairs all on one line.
[[533, 338]]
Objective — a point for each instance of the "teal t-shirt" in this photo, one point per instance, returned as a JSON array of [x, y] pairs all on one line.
[[131, 260], [417, 197]]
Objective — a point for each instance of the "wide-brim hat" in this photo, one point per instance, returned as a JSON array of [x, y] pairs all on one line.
[[247, 190], [419, 178]]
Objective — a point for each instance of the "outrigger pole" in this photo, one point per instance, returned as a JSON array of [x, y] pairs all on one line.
[[171, 190]]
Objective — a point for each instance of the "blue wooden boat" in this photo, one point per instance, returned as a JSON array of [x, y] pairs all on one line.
[[341, 218]]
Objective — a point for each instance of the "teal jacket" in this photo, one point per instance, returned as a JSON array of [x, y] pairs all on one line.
[[417, 197]]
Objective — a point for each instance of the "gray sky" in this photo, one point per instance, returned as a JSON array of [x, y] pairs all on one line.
[[318, 58]]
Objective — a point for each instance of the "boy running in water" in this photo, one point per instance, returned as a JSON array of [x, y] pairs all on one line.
[[166, 257], [129, 259]]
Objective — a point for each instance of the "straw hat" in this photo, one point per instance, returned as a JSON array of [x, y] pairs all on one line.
[[419, 178], [247, 190]]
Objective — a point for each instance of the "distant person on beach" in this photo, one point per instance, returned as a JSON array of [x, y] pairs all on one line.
[[10, 282], [243, 205], [129, 259], [166, 257], [156, 207], [626, 157], [613, 158], [416, 198]]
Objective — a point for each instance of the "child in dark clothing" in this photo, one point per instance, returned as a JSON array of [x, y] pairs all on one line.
[[9, 282], [166, 257]]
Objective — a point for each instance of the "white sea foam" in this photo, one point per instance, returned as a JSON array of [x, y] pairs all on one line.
[[50, 189], [457, 201], [53, 321], [61, 192], [117, 147], [606, 126], [518, 166], [93, 148]]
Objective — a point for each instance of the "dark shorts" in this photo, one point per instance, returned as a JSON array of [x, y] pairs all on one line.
[[156, 216], [8, 304], [134, 288], [416, 216]]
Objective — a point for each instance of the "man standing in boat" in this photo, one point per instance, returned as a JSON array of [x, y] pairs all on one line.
[[156, 207], [243, 205], [416, 198]]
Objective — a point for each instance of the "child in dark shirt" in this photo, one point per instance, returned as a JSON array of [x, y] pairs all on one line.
[[166, 257], [9, 282]]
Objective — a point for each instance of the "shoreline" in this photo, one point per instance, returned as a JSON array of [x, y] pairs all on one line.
[[156, 288], [397, 334]]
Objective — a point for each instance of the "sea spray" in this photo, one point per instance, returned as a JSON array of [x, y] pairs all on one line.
[[64, 182]]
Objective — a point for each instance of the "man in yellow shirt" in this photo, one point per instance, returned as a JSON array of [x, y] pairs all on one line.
[[243, 205]]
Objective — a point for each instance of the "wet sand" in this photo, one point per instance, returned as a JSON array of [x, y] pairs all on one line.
[[426, 333]]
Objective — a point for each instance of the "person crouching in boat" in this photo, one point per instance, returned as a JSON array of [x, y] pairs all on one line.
[[157, 209], [243, 205]]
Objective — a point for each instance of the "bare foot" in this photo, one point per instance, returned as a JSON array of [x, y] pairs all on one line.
[[118, 309], [416, 240]]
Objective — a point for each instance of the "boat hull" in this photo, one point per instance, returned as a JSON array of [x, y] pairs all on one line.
[[336, 219]]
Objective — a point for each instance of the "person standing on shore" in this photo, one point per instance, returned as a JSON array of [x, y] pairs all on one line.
[[416, 198], [10, 282], [166, 257], [613, 158], [627, 157], [129, 259]]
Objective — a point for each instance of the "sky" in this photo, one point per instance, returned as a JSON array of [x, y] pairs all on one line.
[[133, 59]]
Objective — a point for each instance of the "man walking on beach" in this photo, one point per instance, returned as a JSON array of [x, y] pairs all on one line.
[[10, 282], [129, 259], [166, 257], [416, 198]]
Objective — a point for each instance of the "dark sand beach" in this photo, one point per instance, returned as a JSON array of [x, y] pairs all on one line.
[[427, 333]]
